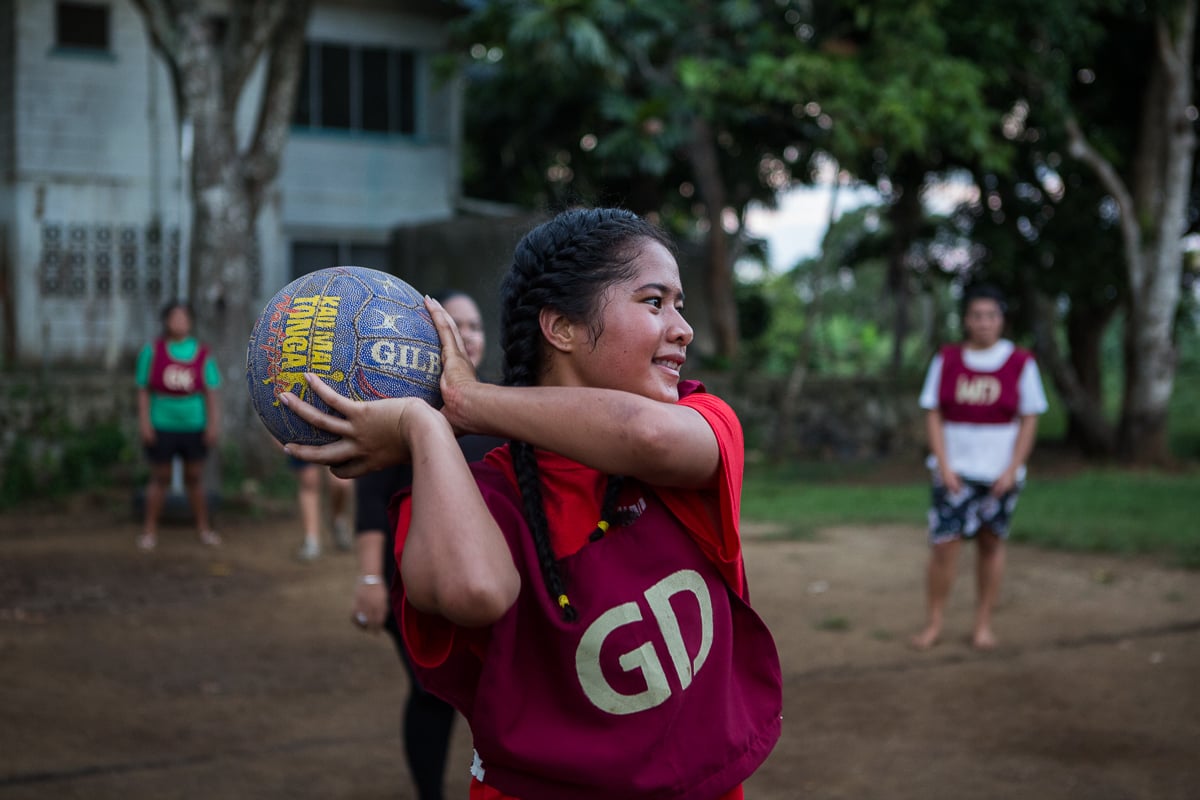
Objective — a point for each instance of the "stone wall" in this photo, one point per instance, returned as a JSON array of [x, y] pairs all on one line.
[[840, 419], [832, 419], [58, 429]]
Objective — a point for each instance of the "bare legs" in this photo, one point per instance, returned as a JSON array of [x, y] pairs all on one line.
[[308, 498], [989, 570], [939, 579], [341, 508], [156, 495]]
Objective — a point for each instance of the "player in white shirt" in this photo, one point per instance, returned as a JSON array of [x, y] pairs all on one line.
[[982, 400]]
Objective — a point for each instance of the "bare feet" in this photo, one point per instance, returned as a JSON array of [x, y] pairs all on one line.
[[925, 639], [984, 639]]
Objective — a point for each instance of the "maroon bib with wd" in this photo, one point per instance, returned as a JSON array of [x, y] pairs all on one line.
[[169, 376], [984, 398]]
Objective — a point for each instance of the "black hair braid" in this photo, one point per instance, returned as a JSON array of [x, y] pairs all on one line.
[[608, 508], [529, 482], [566, 264], [521, 356]]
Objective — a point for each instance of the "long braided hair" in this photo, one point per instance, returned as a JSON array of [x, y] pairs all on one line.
[[565, 264]]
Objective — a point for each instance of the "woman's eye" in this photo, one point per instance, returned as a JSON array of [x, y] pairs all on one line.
[[655, 301]]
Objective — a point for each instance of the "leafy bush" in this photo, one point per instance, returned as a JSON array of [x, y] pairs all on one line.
[[66, 461]]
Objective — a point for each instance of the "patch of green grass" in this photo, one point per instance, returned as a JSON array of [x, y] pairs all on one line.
[[1183, 424], [1117, 511], [1097, 510], [834, 624], [804, 498]]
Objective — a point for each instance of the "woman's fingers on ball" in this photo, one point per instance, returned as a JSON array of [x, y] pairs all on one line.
[[349, 469], [444, 323], [326, 392], [336, 454], [314, 416]]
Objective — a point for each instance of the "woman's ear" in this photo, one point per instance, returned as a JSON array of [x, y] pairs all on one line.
[[558, 331]]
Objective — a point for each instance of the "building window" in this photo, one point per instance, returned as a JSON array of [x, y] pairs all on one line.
[[82, 26], [89, 261], [346, 87]]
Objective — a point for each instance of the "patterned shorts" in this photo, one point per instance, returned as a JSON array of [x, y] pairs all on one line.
[[962, 515]]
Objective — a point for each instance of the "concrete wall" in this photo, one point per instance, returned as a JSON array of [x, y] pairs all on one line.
[[92, 206]]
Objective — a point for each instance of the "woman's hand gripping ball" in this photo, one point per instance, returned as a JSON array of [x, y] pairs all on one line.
[[458, 373], [376, 434]]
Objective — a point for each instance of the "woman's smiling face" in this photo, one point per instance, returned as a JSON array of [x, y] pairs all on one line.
[[638, 340]]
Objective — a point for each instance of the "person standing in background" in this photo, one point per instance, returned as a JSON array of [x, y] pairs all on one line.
[[178, 416], [982, 399], [428, 721], [309, 479]]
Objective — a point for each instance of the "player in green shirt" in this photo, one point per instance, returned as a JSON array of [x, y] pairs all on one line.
[[178, 415]]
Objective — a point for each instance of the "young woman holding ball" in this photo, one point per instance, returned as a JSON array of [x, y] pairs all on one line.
[[579, 595]]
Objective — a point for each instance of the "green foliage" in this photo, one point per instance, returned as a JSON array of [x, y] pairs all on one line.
[[601, 101], [68, 461], [17, 480], [830, 312], [1116, 511], [1183, 424]]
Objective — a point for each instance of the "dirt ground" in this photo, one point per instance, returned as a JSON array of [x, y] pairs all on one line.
[[191, 673]]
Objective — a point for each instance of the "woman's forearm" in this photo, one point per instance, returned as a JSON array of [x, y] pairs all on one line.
[[1026, 436], [613, 431], [456, 562], [936, 437]]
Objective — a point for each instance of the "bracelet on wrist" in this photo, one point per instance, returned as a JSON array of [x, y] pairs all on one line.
[[370, 580]]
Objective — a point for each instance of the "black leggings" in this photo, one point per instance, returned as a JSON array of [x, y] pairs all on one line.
[[426, 728]]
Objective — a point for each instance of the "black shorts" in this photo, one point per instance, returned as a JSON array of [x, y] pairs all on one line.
[[168, 444], [963, 515]]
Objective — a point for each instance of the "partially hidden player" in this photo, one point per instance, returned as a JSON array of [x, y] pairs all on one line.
[[428, 720], [310, 480], [982, 399], [579, 595], [178, 416]]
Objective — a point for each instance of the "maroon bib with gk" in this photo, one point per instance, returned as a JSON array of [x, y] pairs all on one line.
[[984, 398], [168, 376], [667, 687]]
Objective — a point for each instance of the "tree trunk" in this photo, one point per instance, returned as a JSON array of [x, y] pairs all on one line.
[[228, 183], [1157, 273], [702, 153], [223, 250], [1085, 326], [1086, 410], [1152, 220], [1150, 362]]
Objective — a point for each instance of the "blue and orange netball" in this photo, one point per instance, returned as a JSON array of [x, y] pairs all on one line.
[[366, 333]]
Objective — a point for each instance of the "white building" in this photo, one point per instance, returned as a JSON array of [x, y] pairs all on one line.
[[92, 210]]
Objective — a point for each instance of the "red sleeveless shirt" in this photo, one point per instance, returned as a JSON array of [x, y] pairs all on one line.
[[668, 686], [174, 377], [985, 398]]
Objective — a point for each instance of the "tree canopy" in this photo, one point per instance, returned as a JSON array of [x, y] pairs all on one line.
[[1073, 120]]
